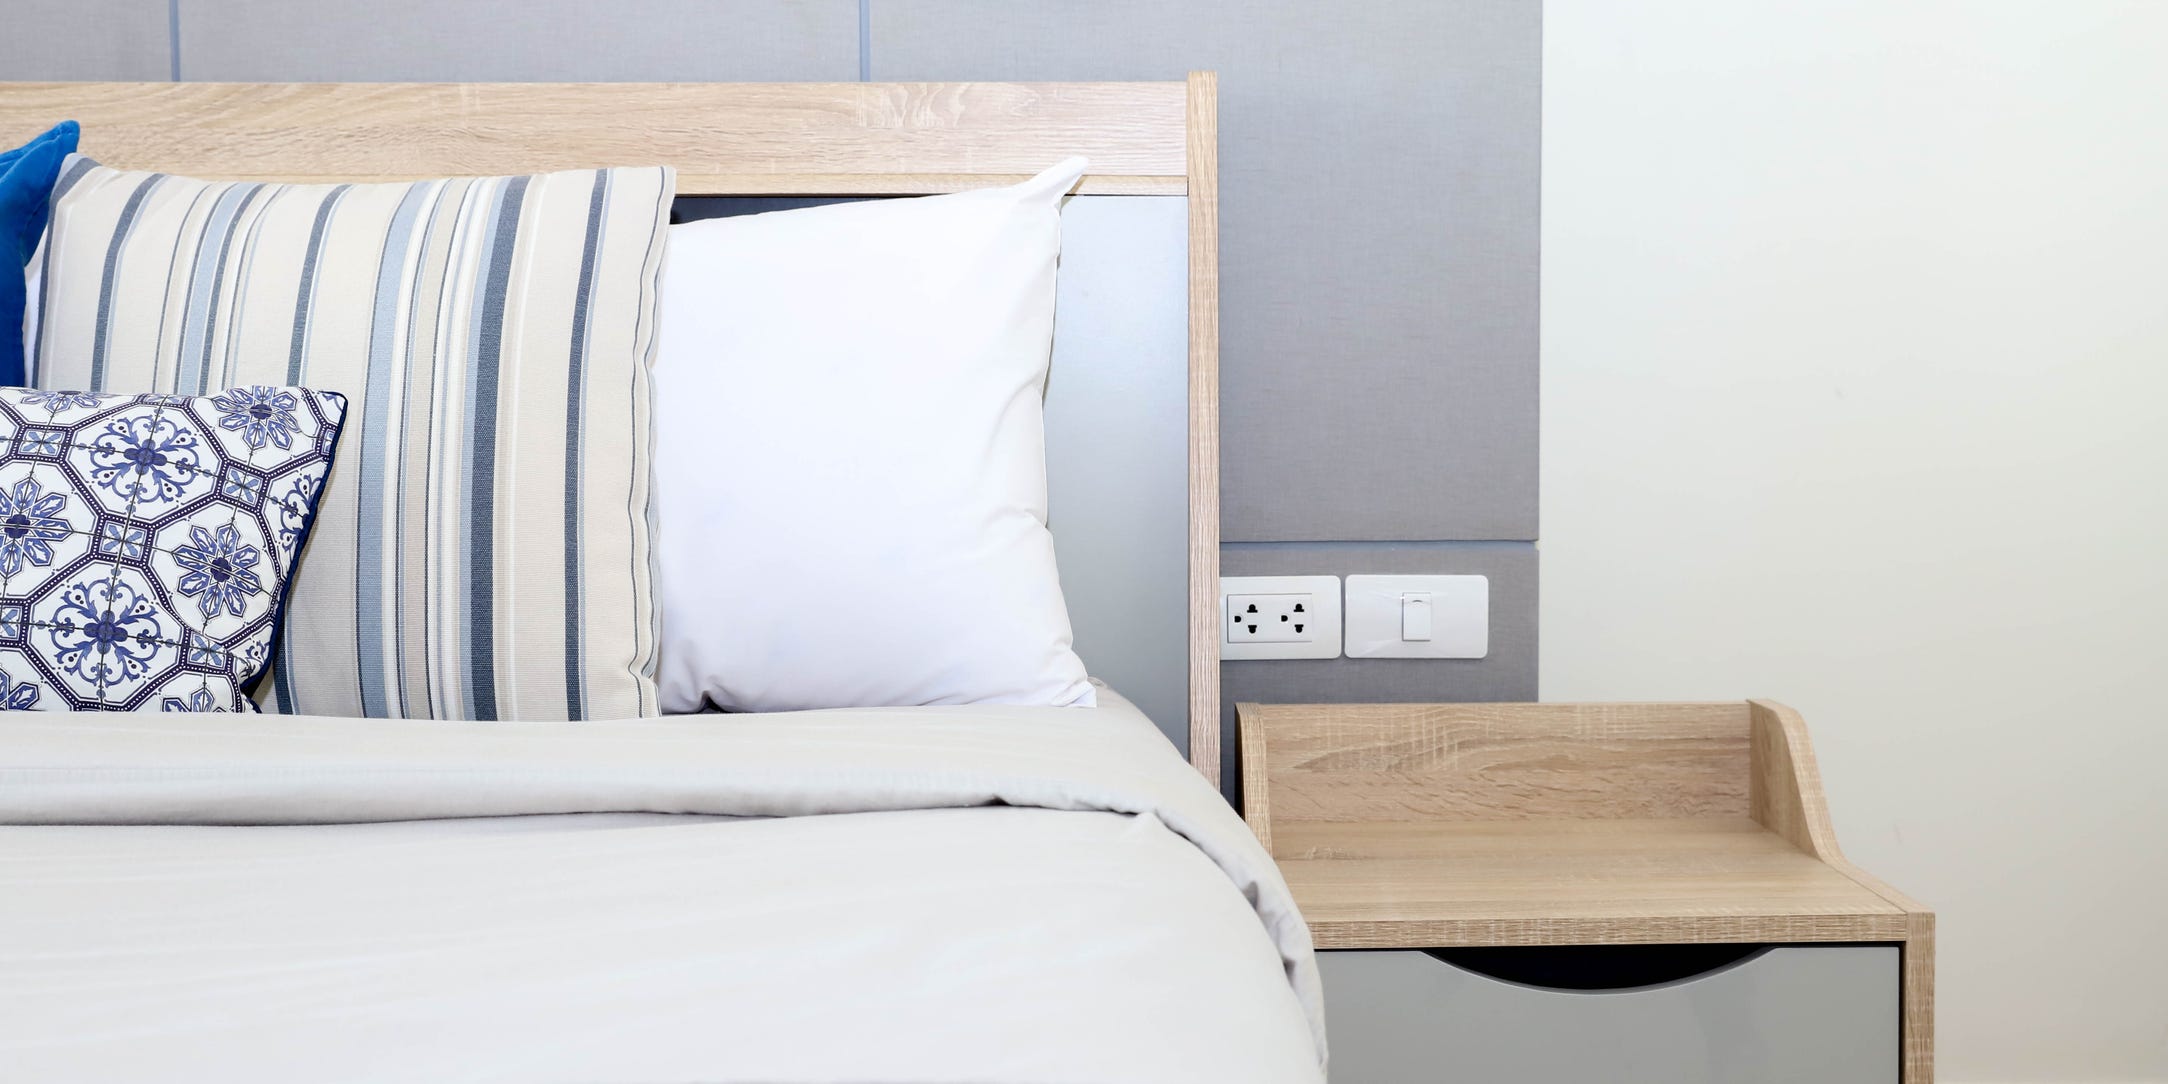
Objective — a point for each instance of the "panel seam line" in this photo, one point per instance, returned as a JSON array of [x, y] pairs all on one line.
[[173, 39], [865, 40]]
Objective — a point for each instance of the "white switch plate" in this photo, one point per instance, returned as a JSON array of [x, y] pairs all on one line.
[[1281, 617], [1378, 610]]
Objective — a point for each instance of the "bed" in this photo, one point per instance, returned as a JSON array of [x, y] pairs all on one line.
[[975, 892]]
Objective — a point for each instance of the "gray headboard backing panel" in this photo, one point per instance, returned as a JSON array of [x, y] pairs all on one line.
[[1117, 424]]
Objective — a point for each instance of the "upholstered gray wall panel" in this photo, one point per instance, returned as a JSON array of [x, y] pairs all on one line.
[[1507, 673], [527, 41], [85, 39], [1378, 185]]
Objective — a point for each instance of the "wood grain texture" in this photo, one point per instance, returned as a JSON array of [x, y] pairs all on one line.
[[1446, 825], [723, 138], [1420, 762], [1919, 998], [1569, 882], [1255, 738], [1787, 783], [1337, 932], [1204, 493]]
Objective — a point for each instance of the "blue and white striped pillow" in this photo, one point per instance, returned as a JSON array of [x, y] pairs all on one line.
[[483, 545]]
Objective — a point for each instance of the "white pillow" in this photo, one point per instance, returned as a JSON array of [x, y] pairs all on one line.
[[850, 462]]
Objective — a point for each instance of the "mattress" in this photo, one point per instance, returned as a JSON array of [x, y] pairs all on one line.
[[941, 894]]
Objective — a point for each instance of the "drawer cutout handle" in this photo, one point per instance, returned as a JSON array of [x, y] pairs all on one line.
[[1598, 969]]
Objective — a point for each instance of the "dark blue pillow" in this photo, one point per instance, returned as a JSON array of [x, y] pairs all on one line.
[[27, 174]]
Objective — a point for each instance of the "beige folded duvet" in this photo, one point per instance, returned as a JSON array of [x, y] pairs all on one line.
[[937, 894]]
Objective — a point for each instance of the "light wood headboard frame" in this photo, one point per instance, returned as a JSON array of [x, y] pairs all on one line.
[[725, 139]]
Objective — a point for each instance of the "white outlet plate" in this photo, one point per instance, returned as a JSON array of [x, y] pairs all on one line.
[[1383, 610], [1270, 632]]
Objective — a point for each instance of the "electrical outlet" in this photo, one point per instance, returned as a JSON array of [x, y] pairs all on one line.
[[1270, 619], [1279, 617]]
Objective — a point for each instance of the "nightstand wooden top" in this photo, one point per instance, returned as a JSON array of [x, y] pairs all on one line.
[[1550, 882], [1443, 825]]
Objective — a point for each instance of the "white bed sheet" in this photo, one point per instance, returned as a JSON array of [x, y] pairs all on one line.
[[818, 896]]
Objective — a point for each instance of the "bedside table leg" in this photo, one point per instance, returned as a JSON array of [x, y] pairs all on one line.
[[1919, 998]]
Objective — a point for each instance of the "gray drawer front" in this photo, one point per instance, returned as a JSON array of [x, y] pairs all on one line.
[[1795, 1015]]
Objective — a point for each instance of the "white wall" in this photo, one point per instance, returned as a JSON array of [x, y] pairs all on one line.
[[1855, 395]]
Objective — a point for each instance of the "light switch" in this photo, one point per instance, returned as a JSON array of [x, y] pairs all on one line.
[[1418, 617], [1415, 615]]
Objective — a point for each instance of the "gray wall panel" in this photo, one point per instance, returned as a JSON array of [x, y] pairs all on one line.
[[531, 41], [1507, 673], [84, 39], [1378, 238], [1117, 442]]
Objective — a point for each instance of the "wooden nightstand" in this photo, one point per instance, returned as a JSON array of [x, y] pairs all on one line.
[[1488, 854]]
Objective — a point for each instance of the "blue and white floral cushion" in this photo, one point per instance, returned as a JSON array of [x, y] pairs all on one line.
[[146, 542]]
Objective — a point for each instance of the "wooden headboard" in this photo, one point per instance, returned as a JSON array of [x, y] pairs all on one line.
[[725, 139]]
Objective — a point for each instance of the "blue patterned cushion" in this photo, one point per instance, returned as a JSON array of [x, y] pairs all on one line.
[[147, 541]]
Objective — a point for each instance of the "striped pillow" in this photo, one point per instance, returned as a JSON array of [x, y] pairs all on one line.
[[482, 546]]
